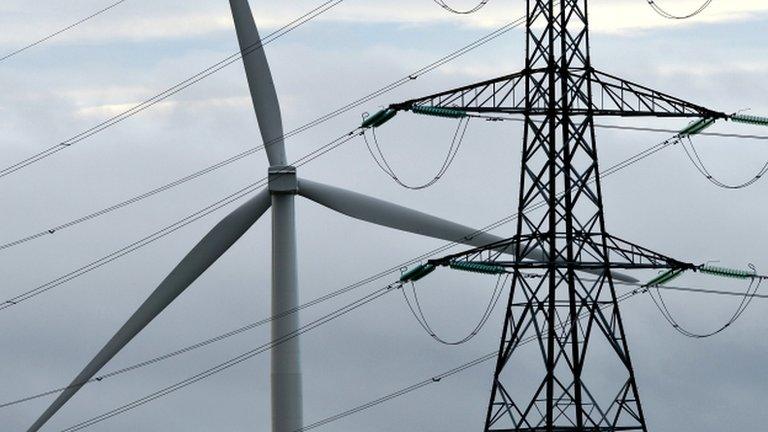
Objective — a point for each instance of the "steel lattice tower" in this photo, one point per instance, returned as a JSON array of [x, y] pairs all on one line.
[[571, 307], [560, 167]]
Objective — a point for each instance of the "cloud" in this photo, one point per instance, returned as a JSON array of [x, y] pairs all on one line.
[[100, 112], [134, 23], [709, 70]]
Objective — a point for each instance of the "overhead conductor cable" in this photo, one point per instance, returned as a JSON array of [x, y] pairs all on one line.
[[693, 155], [471, 10], [170, 91], [374, 121], [322, 119], [657, 283], [661, 11], [58, 32]]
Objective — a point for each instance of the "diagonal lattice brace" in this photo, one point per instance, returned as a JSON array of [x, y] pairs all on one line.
[[614, 96], [505, 94]]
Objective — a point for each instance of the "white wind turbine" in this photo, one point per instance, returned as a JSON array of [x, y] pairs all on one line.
[[284, 185]]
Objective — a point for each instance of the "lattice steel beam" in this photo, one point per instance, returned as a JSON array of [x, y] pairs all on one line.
[[612, 96]]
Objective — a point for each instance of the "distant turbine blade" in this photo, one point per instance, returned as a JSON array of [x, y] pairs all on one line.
[[205, 253], [384, 213], [260, 82]]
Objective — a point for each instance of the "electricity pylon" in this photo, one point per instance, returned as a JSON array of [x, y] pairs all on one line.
[[559, 94]]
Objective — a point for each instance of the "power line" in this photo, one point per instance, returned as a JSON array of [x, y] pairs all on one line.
[[707, 291], [431, 380], [747, 298], [240, 358], [389, 87], [633, 128], [201, 344], [434, 379], [481, 4], [698, 163], [169, 229], [382, 162], [322, 119], [661, 11], [377, 276], [58, 32], [55, 229], [402, 392], [324, 298], [746, 301], [418, 313], [252, 150], [115, 255], [235, 360], [673, 131], [170, 91], [157, 235]]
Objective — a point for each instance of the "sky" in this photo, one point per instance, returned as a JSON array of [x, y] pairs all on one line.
[[74, 81]]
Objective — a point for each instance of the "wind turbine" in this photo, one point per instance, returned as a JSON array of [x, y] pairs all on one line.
[[284, 185]]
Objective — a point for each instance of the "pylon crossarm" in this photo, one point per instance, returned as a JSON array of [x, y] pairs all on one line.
[[614, 96], [585, 266], [622, 255], [588, 257], [588, 252], [611, 96]]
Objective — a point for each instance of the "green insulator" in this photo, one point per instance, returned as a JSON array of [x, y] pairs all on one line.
[[438, 111], [428, 268], [665, 277], [750, 119], [387, 117], [417, 273], [697, 127], [370, 120], [726, 272], [379, 118], [477, 267]]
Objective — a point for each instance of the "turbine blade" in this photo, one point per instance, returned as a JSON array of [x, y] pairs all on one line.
[[202, 256], [380, 212], [384, 213], [260, 82]]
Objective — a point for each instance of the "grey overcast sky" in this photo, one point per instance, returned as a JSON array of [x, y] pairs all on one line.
[[74, 81]]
